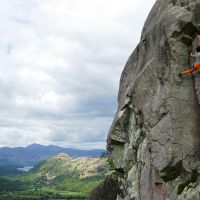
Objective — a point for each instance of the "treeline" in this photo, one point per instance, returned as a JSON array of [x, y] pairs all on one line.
[[42, 195], [8, 185]]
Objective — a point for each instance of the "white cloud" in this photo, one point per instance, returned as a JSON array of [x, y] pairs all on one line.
[[60, 63]]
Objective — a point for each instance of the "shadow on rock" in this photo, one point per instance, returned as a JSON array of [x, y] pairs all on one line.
[[108, 190]]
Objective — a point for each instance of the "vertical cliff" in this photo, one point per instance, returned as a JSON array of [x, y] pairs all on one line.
[[155, 136]]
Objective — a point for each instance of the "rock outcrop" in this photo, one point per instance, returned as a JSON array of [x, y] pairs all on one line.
[[107, 190], [155, 137], [86, 167]]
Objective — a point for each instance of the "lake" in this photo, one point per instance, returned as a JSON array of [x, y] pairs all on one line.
[[25, 169]]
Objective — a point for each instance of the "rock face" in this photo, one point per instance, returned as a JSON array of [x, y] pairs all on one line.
[[155, 136]]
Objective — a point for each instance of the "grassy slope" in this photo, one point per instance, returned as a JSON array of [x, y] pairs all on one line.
[[59, 177]]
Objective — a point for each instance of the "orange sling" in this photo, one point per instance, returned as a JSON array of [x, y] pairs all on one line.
[[195, 67]]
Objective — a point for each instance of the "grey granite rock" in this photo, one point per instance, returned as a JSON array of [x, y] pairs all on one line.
[[155, 136]]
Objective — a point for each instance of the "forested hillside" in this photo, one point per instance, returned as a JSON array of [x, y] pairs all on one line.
[[59, 177]]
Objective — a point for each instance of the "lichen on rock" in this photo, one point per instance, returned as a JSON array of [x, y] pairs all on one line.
[[155, 136]]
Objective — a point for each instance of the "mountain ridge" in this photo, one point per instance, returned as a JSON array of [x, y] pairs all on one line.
[[32, 154]]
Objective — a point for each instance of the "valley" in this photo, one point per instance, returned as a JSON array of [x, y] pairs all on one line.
[[58, 177]]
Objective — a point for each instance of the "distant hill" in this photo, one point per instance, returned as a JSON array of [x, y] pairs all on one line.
[[58, 177], [62, 164], [34, 153]]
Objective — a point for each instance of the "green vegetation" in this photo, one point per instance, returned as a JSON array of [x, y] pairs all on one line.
[[192, 179], [42, 195], [171, 172], [7, 170], [59, 177], [9, 185]]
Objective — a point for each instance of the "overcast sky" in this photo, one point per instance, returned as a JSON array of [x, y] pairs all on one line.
[[60, 65]]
